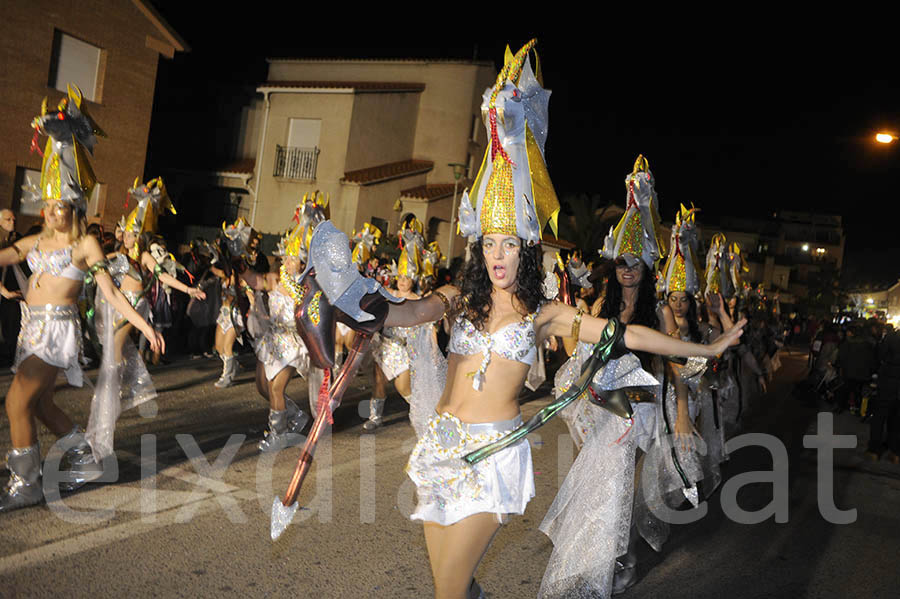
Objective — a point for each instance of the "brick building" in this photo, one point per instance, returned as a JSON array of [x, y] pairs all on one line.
[[110, 49]]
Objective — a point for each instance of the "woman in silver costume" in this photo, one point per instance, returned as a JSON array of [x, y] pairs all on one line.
[[396, 349], [500, 320], [602, 510], [130, 266], [50, 337], [280, 353]]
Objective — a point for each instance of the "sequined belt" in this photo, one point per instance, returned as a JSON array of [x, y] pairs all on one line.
[[51, 311], [450, 432]]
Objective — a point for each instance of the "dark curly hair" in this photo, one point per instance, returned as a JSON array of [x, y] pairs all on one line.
[[475, 283], [644, 311]]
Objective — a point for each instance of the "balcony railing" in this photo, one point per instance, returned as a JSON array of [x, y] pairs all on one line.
[[296, 163]]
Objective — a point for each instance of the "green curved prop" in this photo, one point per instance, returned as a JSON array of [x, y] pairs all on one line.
[[610, 346]]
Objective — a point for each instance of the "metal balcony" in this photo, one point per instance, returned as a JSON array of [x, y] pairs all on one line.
[[296, 163]]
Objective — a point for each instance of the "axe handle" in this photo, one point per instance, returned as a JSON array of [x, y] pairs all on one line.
[[351, 365]]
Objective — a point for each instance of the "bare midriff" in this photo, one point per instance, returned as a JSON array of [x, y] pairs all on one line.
[[499, 398], [52, 290]]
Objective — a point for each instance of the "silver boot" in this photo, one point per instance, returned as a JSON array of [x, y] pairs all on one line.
[[229, 369], [79, 466], [24, 486], [625, 573], [297, 418], [278, 436], [376, 407]]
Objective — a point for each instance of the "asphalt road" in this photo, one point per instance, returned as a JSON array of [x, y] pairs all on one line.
[[173, 526]]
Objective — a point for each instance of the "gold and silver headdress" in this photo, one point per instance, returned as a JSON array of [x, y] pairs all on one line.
[[718, 279], [636, 236], [680, 271], [312, 210], [364, 242], [736, 266], [512, 191], [431, 257], [66, 173], [151, 199], [412, 244], [237, 236]]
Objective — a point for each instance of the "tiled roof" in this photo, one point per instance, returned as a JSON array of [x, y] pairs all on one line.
[[549, 239], [385, 172], [430, 192], [244, 166], [358, 86]]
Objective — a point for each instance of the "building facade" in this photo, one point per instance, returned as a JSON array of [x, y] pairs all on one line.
[[46, 45], [382, 138]]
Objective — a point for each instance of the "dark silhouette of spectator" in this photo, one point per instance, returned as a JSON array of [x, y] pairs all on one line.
[[884, 428], [10, 292], [857, 362]]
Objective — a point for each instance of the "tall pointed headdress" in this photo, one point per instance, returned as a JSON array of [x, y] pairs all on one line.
[[736, 266], [431, 257], [237, 237], [680, 271], [412, 244], [151, 199], [512, 191], [718, 279], [66, 173], [636, 236]]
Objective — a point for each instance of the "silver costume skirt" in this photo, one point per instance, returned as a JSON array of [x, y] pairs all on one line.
[[278, 349], [228, 318], [390, 352], [449, 489], [53, 334]]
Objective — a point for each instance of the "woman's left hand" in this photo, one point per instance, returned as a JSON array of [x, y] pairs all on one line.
[[727, 339]]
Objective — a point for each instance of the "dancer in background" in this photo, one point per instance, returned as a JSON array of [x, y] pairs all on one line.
[[59, 257], [124, 382]]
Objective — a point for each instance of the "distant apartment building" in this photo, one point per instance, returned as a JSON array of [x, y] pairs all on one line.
[[380, 137], [783, 251], [110, 49]]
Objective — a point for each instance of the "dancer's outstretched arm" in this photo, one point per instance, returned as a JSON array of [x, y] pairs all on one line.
[[93, 255], [557, 319]]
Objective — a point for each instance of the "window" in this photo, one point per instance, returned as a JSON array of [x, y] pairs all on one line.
[[476, 126], [304, 133], [78, 62], [29, 208], [299, 159]]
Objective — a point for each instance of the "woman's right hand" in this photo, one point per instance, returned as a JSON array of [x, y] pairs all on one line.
[[157, 343]]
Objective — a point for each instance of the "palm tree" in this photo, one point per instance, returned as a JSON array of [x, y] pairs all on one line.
[[585, 220]]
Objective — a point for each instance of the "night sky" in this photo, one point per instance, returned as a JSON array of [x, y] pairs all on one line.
[[735, 125]]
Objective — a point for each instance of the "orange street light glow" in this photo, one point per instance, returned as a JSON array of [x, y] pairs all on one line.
[[884, 138]]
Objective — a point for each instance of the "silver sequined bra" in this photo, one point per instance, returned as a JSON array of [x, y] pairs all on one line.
[[119, 267], [56, 262], [515, 341]]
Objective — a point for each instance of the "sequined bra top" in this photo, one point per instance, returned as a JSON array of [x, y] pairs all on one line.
[[55, 262], [516, 341], [119, 267]]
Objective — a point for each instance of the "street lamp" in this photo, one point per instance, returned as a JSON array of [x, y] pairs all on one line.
[[458, 171], [884, 138]]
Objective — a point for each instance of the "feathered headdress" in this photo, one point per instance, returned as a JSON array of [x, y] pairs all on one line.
[[66, 173], [312, 210], [636, 236], [151, 199], [680, 271], [512, 191]]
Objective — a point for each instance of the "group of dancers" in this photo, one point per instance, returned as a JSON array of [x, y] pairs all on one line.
[[671, 375]]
